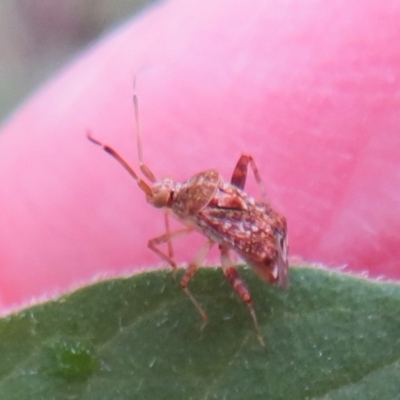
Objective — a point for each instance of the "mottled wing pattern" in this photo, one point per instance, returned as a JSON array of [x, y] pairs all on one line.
[[246, 231], [255, 231]]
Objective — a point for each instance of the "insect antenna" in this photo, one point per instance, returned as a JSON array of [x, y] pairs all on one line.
[[141, 183], [143, 167]]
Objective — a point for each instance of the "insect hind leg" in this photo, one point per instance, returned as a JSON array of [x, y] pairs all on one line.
[[240, 174], [240, 287]]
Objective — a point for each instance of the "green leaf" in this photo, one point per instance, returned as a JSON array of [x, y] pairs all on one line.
[[330, 336]]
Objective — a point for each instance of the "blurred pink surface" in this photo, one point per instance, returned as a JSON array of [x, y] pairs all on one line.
[[310, 89]]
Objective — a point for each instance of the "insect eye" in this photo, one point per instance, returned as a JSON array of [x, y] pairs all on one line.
[[160, 199]]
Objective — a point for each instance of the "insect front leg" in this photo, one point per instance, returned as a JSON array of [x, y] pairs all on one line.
[[189, 273], [168, 232], [240, 287], [192, 267], [166, 238], [240, 174]]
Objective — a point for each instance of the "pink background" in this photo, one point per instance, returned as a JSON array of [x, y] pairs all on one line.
[[310, 89]]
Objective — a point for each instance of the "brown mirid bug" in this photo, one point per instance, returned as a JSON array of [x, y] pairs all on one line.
[[225, 214]]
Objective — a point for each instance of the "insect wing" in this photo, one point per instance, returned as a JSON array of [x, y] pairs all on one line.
[[282, 262], [251, 229]]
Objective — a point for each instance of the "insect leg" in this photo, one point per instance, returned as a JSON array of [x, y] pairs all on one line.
[[166, 238], [168, 232], [240, 287], [240, 174], [189, 273]]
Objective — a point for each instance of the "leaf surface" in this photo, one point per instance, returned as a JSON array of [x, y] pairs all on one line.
[[330, 336]]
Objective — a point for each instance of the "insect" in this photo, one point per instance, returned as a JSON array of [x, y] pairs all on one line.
[[221, 211]]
